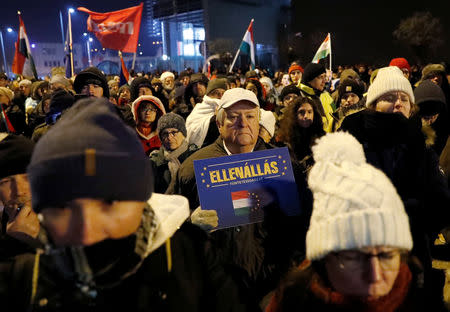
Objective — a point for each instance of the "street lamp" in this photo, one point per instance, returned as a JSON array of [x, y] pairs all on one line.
[[71, 10], [9, 29], [88, 47]]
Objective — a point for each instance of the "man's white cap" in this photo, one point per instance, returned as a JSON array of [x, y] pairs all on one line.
[[166, 74], [232, 96]]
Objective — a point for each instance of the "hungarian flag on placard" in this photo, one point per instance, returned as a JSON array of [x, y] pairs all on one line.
[[247, 45], [118, 30], [242, 203], [324, 49], [23, 63]]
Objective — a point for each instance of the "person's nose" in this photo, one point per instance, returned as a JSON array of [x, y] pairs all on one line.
[[242, 122], [86, 222], [374, 271]]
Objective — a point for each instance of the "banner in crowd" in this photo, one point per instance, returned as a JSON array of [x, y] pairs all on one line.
[[23, 63], [118, 30], [241, 187]]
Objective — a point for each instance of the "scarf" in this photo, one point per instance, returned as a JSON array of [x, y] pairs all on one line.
[[172, 157], [388, 303]]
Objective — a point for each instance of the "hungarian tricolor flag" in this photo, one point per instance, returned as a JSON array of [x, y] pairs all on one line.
[[117, 30], [247, 45], [124, 75], [23, 63], [242, 202], [324, 50]]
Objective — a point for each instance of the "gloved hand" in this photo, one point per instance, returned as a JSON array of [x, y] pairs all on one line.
[[206, 219]]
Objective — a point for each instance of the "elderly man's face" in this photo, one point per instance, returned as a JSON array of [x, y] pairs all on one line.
[[240, 126], [86, 221], [168, 83]]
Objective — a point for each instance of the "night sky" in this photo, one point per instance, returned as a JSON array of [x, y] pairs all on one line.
[[361, 30]]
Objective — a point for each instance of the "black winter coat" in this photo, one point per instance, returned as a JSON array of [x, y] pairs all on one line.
[[197, 281]]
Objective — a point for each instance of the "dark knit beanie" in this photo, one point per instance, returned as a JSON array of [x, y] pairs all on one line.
[[288, 90], [91, 75], [15, 155], [139, 82], [351, 85], [312, 70], [429, 97], [89, 153], [60, 101], [171, 120], [216, 84]]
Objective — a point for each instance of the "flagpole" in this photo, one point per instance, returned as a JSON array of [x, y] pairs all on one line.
[[70, 44], [329, 35], [237, 52]]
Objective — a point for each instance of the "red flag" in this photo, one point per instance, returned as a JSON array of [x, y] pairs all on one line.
[[124, 75], [118, 30], [23, 53]]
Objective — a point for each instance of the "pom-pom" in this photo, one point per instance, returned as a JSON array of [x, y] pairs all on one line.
[[338, 147]]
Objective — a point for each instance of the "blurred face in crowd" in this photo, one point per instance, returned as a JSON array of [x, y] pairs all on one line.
[[93, 90], [216, 93], [46, 106], [15, 196], [25, 89], [289, 98], [349, 99], [199, 89], [145, 91], [148, 112], [318, 83], [405, 72], [266, 87], [185, 80], [156, 86], [369, 272], [436, 79], [56, 85], [296, 75], [125, 94], [251, 87], [4, 99], [285, 81], [394, 102], [429, 120], [305, 115], [171, 138], [239, 126], [168, 83], [114, 87], [42, 91], [86, 221], [3, 82]]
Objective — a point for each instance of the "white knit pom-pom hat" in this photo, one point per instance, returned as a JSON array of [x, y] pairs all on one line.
[[355, 204], [388, 79]]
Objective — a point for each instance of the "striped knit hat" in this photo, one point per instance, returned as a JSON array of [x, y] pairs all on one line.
[[388, 79]]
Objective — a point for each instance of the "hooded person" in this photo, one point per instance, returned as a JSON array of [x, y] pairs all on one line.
[[110, 247], [271, 95], [91, 82], [38, 116], [312, 86], [195, 90], [201, 122], [60, 101], [147, 110], [357, 243], [431, 102], [174, 150]]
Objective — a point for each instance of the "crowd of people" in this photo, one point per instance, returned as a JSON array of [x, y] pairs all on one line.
[[99, 206]]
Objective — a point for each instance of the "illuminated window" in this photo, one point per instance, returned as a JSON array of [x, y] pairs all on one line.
[[188, 49], [200, 34], [188, 34]]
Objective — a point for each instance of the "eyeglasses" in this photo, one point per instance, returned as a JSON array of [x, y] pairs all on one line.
[[357, 260], [166, 134], [392, 97], [149, 109]]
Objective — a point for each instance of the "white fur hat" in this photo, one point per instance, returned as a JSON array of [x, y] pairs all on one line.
[[388, 79], [165, 75], [267, 121], [355, 204]]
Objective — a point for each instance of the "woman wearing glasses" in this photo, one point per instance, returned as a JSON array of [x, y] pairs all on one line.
[[147, 110], [358, 241]]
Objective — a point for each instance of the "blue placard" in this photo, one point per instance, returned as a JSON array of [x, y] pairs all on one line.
[[240, 186]]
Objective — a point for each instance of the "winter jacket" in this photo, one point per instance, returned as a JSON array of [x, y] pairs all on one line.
[[324, 103], [259, 253], [166, 266], [161, 167], [198, 121]]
